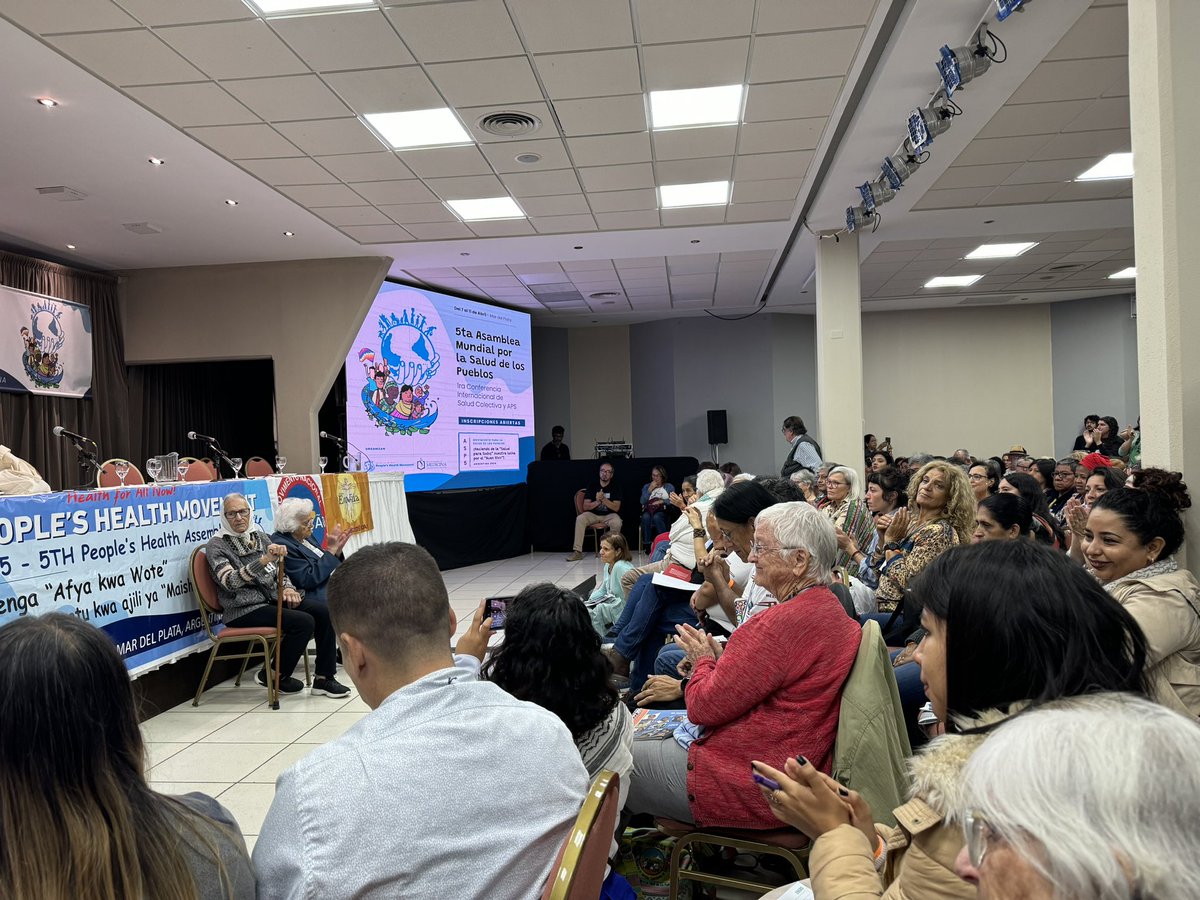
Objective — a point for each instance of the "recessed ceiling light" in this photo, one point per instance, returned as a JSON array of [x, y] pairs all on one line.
[[952, 281], [486, 208], [289, 234], [70, 246], [419, 128], [696, 106], [1115, 165], [1131, 272], [999, 251], [48, 102], [704, 193], [277, 7], [231, 203], [155, 161]]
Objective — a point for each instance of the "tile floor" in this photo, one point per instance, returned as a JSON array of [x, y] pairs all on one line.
[[233, 733]]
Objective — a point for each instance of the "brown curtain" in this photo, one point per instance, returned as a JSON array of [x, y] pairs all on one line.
[[26, 420]]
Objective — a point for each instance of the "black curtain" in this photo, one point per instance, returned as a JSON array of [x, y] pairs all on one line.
[[26, 420], [332, 418], [234, 401]]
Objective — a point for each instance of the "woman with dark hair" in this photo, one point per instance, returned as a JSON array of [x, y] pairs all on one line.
[[985, 478], [885, 493], [1010, 625], [1108, 436], [1130, 542], [1045, 527], [730, 470], [1099, 481], [1002, 517], [607, 600], [880, 460], [1042, 471], [78, 817], [656, 494]]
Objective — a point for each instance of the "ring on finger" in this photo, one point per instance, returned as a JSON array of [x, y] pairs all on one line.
[[775, 797]]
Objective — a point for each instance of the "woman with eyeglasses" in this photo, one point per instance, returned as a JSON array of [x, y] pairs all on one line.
[[846, 509], [885, 493], [1010, 625], [984, 479], [1062, 483]]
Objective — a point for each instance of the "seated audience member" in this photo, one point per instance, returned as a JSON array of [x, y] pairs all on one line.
[[1130, 543], [1010, 625], [1023, 464], [681, 550], [753, 699], [1131, 444], [78, 816], [846, 509], [1081, 476], [1009, 460], [308, 567], [1002, 517], [805, 452], [1045, 527], [656, 494], [556, 449], [1099, 482], [449, 787], [1063, 486], [601, 503], [1045, 816], [803, 479], [1158, 479], [730, 470], [880, 460], [984, 478], [1087, 440], [870, 445], [1042, 471], [961, 457], [17, 477], [1108, 434], [243, 562], [607, 600], [885, 492]]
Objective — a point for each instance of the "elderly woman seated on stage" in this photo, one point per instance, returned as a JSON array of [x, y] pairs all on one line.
[[244, 563], [308, 566]]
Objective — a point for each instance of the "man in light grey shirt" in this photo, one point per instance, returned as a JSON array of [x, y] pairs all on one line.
[[450, 787]]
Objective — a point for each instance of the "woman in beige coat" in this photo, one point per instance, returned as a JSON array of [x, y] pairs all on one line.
[[1010, 624]]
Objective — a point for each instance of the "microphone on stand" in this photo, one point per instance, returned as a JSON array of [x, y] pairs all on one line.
[[333, 437], [59, 431], [215, 446], [201, 437]]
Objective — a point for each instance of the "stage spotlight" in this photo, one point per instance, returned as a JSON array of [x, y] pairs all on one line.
[[926, 124], [857, 217], [963, 64], [898, 169], [875, 193], [1005, 8]]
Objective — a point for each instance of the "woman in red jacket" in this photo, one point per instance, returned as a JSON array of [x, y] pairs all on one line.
[[774, 689]]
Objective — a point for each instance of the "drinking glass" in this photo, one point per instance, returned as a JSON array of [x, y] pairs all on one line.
[[280, 464], [236, 462], [153, 468], [347, 461], [182, 469], [121, 467], [324, 461]]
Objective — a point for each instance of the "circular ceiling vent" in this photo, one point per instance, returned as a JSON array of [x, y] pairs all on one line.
[[508, 123], [528, 158], [604, 295]]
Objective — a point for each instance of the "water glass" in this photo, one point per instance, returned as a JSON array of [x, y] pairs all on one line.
[[347, 463], [182, 469], [280, 464], [236, 462], [121, 467], [324, 461], [153, 468]]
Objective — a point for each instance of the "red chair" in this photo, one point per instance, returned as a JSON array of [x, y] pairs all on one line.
[[213, 469], [107, 476], [208, 598], [595, 529], [580, 869], [257, 467], [197, 470]]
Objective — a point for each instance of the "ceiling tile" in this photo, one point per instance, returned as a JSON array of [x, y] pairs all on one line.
[[65, 16], [385, 192], [1108, 112], [950, 199], [329, 136], [127, 57], [694, 264], [696, 215], [386, 90], [467, 187], [549, 25], [474, 29], [297, 170], [439, 231], [692, 143], [183, 12], [418, 213], [247, 49], [288, 98], [490, 282], [486, 271], [664, 21], [541, 268], [760, 212], [986, 151], [810, 54], [788, 15], [791, 99], [379, 166], [587, 265], [244, 141], [637, 218], [433, 274], [352, 215], [377, 234], [623, 201], [184, 105], [502, 155], [597, 73], [1079, 79], [617, 178], [445, 162], [359, 39], [691, 171], [562, 224], [700, 281], [610, 149], [564, 205], [1102, 31], [772, 137], [976, 176], [771, 165], [486, 81], [602, 115], [642, 262], [776, 190], [1059, 170], [502, 228], [1089, 190], [1013, 194], [695, 64], [1080, 144], [541, 184], [747, 255], [314, 195], [1032, 118]]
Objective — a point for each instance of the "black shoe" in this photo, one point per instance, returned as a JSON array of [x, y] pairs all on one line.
[[287, 685], [329, 687]]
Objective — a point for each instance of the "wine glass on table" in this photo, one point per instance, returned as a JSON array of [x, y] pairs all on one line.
[[236, 462], [324, 461], [154, 468], [182, 469], [121, 467], [280, 464]]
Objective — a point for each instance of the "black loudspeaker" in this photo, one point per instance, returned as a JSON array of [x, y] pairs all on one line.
[[718, 427]]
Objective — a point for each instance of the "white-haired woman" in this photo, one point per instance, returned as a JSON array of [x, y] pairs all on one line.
[[846, 509], [307, 564]]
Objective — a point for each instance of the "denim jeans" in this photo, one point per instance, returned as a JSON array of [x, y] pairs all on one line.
[[653, 524], [651, 613]]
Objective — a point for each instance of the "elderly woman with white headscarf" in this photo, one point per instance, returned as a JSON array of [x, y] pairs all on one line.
[[244, 564], [308, 566], [846, 509]]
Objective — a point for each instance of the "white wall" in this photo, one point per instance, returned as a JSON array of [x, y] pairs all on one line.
[[601, 407], [551, 385]]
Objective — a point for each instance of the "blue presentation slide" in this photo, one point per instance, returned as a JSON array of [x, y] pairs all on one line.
[[441, 389]]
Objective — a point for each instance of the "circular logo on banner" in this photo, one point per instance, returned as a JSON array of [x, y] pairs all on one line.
[[304, 487]]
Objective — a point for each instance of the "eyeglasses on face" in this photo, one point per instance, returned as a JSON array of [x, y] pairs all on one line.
[[758, 549], [977, 477], [978, 834], [237, 513]]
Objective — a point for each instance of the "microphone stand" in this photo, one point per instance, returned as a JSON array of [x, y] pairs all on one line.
[[89, 465], [221, 454], [344, 444]]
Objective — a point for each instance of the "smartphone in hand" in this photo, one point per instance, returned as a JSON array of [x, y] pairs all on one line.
[[495, 608]]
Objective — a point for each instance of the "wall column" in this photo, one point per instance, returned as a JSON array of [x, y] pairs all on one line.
[[1164, 70], [839, 350]]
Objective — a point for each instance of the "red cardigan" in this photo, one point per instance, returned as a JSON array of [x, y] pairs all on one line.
[[774, 693]]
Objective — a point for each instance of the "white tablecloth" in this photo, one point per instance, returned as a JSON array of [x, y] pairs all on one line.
[[389, 510]]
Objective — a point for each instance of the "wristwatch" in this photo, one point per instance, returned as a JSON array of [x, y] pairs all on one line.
[[699, 532], [890, 546]]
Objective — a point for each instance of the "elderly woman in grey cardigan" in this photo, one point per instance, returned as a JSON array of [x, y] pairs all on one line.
[[244, 563]]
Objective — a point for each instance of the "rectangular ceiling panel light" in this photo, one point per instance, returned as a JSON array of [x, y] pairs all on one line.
[[419, 128], [485, 209], [287, 7], [1131, 272], [696, 106], [1115, 165], [1000, 251], [952, 281], [704, 193]]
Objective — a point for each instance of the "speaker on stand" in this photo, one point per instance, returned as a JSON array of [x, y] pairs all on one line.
[[718, 431]]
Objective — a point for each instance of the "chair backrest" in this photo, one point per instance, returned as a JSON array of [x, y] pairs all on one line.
[[257, 467], [579, 502], [199, 471], [107, 476], [213, 469], [204, 588], [582, 863]]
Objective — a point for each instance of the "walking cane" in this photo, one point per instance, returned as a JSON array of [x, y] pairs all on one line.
[[278, 630]]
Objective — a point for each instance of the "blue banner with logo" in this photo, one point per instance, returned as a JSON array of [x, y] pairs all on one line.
[[45, 345]]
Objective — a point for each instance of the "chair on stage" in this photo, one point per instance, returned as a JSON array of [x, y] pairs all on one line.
[[257, 467], [579, 870], [255, 641], [197, 469], [596, 529], [107, 476], [213, 468]]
